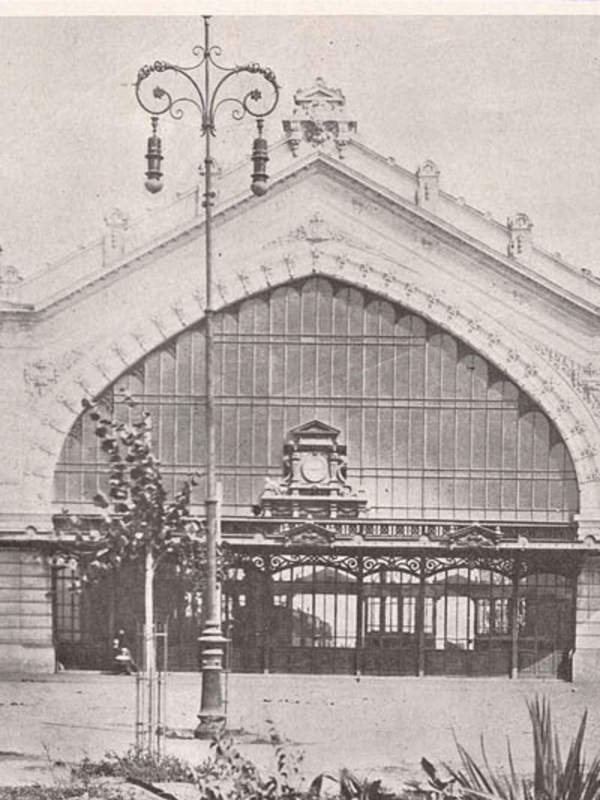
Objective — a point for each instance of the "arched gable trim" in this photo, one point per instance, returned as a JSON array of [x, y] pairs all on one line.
[[94, 370]]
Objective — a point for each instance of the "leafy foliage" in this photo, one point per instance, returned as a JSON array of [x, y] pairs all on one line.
[[228, 775], [136, 513], [553, 778], [349, 787], [136, 764]]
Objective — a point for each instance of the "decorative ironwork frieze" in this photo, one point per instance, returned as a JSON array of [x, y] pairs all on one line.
[[270, 563], [374, 564], [423, 567], [475, 560]]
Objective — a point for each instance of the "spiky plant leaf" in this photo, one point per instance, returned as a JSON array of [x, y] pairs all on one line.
[[552, 779]]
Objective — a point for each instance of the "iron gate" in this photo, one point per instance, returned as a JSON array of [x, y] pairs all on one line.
[[475, 615], [472, 615]]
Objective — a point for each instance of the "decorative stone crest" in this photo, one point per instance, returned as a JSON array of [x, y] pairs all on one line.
[[117, 223], [178, 310], [318, 231], [519, 233], [315, 231], [319, 118], [474, 536], [10, 280], [39, 375], [314, 482], [428, 179]]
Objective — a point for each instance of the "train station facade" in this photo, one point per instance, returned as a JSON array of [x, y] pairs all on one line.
[[408, 426]]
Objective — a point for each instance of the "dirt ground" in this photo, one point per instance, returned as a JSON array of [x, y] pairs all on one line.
[[378, 727]]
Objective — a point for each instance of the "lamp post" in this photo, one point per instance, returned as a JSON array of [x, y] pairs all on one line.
[[157, 101]]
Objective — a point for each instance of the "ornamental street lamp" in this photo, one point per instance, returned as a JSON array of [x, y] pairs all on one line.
[[157, 100]]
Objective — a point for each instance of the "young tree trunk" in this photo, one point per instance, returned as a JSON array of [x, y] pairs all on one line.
[[149, 649], [149, 641]]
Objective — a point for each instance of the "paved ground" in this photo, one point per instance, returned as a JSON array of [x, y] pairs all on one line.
[[376, 726]]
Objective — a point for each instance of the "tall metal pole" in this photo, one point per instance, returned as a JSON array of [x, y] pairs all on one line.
[[212, 711], [207, 101]]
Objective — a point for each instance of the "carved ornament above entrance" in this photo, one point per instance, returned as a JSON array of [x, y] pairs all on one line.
[[309, 534], [314, 482], [473, 536]]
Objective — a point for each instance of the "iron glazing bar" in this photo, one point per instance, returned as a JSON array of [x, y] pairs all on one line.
[[358, 665], [420, 620], [514, 619], [267, 616]]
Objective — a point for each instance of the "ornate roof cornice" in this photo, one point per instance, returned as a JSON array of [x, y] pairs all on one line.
[[370, 191]]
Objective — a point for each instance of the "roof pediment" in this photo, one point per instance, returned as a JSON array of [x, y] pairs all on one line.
[[374, 185]]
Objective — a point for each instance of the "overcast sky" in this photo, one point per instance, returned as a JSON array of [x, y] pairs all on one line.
[[508, 107]]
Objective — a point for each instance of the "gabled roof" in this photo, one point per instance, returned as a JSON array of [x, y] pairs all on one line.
[[320, 138]]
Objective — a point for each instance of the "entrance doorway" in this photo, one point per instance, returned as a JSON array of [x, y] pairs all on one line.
[[323, 612]]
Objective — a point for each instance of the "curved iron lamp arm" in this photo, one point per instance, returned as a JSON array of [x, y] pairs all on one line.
[[206, 103]]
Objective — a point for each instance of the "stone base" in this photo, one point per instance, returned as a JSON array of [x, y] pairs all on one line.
[[27, 658], [210, 726], [586, 665]]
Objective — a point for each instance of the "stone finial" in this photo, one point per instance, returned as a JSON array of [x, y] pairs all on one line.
[[519, 237], [428, 185], [319, 118], [117, 224], [10, 280]]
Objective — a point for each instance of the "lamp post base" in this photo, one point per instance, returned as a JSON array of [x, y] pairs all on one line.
[[210, 726], [212, 716]]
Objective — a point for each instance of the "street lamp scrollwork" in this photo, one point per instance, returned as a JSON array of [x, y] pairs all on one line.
[[207, 105], [156, 100]]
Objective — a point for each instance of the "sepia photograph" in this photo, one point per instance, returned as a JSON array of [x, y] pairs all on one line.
[[300, 380]]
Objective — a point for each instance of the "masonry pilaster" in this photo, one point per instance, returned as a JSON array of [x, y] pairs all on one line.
[[586, 659], [25, 612]]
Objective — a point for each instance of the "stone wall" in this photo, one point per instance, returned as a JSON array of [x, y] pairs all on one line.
[[25, 612]]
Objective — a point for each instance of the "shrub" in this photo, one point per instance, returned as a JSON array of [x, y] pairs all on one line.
[[553, 778], [229, 775], [136, 764]]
